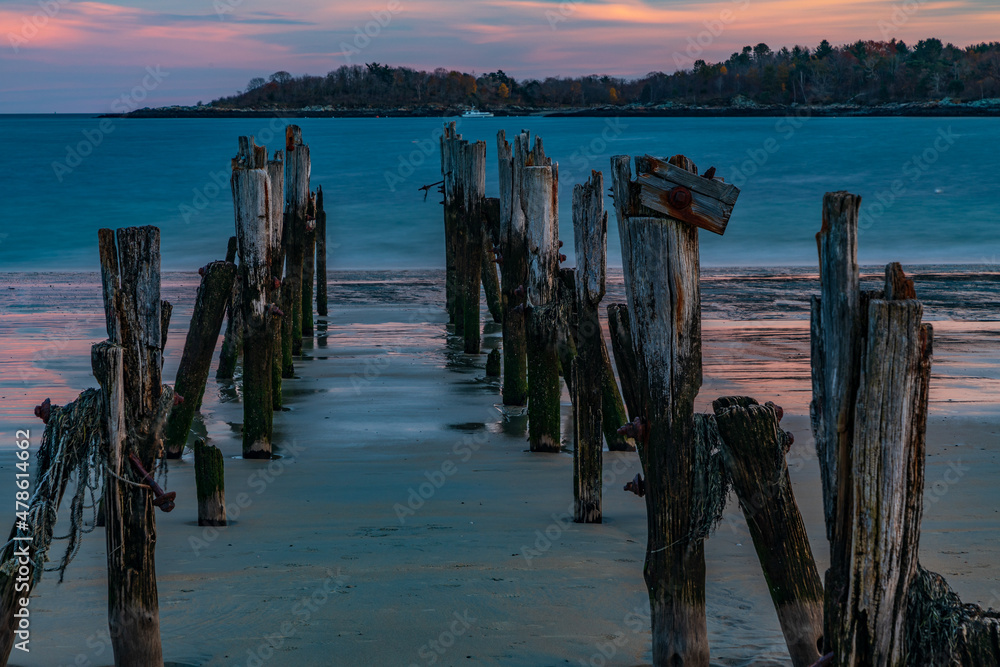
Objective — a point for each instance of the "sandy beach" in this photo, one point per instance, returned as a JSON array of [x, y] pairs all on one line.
[[406, 524]]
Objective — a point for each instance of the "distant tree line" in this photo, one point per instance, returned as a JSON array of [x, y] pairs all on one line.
[[865, 72]]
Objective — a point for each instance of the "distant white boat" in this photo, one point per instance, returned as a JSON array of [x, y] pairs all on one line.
[[472, 113]]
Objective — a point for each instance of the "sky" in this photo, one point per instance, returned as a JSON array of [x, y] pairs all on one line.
[[72, 56]]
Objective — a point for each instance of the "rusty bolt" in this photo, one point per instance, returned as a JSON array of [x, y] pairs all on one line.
[[777, 409], [274, 310], [562, 258], [165, 501], [679, 197], [638, 429], [709, 173], [789, 438], [44, 411], [178, 399], [519, 291], [636, 486], [276, 283], [201, 271], [560, 244]]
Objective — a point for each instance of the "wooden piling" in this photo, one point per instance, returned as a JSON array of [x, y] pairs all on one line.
[[754, 449], [513, 264], [297, 170], [590, 231], [661, 270], [210, 482], [321, 299], [491, 240], [447, 141], [493, 363], [199, 346], [474, 190], [539, 196], [129, 368], [308, 267], [232, 341], [276, 177], [251, 191]]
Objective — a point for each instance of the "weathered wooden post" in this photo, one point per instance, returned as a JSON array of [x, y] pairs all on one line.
[[210, 483], [754, 449], [321, 300], [539, 199], [297, 170], [473, 217], [276, 176], [684, 491], [491, 247], [199, 346], [232, 341], [513, 260], [590, 232], [449, 172], [129, 367], [251, 191], [309, 267]]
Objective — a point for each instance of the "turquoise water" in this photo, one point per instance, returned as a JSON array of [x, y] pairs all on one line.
[[929, 184]]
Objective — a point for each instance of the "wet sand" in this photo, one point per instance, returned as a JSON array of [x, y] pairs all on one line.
[[406, 524]]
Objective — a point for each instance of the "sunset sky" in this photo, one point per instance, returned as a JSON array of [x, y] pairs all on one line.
[[64, 55]]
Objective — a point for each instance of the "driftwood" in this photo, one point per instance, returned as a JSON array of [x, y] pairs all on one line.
[[297, 171], [232, 341], [251, 191], [539, 198], [513, 261], [684, 487], [199, 346], [754, 447], [210, 481], [129, 368]]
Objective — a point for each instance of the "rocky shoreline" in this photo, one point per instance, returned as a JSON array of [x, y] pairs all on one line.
[[739, 107]]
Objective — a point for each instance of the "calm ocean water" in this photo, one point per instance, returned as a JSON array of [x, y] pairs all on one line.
[[928, 184]]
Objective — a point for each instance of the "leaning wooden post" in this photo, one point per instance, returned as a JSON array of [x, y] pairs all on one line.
[[129, 368], [539, 196], [210, 482], [474, 218], [513, 260], [657, 219], [321, 302], [232, 341], [754, 449], [199, 346], [297, 170], [251, 191], [590, 227]]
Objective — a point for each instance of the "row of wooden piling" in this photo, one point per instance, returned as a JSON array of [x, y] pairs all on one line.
[[871, 361], [280, 243]]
